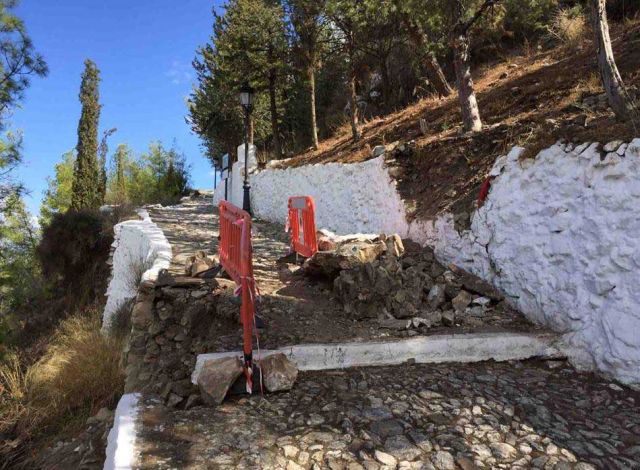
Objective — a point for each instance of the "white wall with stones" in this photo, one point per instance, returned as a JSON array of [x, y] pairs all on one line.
[[559, 234], [356, 198], [140, 251]]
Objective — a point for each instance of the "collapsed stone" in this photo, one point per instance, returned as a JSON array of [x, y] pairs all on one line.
[[278, 373], [216, 377], [410, 290]]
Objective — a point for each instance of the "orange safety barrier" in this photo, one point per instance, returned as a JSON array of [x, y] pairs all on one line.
[[302, 223], [236, 259]]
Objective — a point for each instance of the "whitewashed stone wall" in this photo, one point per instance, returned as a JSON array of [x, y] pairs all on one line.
[[560, 234], [350, 198], [140, 252]]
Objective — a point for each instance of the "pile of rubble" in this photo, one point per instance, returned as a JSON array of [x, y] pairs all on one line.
[[376, 278]]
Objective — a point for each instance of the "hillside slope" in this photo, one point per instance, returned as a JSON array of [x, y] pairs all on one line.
[[530, 100]]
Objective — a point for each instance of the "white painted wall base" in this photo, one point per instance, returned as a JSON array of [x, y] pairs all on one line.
[[425, 349], [140, 246], [120, 452]]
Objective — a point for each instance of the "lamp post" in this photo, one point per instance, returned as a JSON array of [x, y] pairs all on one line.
[[246, 100]]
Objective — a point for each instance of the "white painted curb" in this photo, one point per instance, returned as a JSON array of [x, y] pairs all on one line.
[[120, 453], [473, 347]]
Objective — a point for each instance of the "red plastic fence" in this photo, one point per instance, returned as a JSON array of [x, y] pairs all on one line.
[[302, 223], [236, 258]]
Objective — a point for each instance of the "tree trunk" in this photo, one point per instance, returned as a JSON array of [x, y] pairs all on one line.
[[274, 114], [435, 74], [353, 97], [386, 85], [312, 93], [429, 62], [619, 100], [460, 44]]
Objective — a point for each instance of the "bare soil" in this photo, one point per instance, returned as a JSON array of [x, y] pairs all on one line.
[[532, 99]]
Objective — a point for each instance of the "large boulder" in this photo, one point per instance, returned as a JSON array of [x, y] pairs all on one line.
[[348, 254], [216, 377], [278, 372]]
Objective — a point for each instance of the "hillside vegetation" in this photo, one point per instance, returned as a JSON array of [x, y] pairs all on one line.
[[530, 98]]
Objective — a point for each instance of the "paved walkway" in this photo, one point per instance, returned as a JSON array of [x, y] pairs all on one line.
[[532, 414], [296, 309], [508, 416]]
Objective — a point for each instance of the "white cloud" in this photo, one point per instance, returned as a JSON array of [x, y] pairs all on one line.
[[179, 72]]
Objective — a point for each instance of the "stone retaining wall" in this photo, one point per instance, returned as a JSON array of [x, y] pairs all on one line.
[[140, 251]]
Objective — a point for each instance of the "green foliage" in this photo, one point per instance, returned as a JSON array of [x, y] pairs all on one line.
[[86, 189], [19, 273], [72, 248], [157, 176], [249, 43], [103, 149], [57, 196], [18, 63]]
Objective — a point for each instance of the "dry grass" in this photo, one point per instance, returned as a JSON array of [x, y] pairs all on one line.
[[569, 27], [80, 372], [530, 100]]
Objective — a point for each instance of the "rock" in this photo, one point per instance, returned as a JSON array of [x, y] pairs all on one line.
[[394, 324], [164, 279], [173, 400], [394, 245], [199, 263], [216, 377], [612, 146], [461, 301], [436, 296], [142, 314], [482, 301], [443, 460], [386, 428], [400, 447], [347, 255], [278, 372], [475, 284], [385, 458], [378, 150], [503, 451], [448, 318]]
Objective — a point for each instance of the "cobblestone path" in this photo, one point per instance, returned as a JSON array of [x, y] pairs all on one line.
[[532, 414]]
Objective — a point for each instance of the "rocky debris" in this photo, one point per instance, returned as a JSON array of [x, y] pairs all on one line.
[[216, 378], [198, 263], [414, 291], [326, 240], [85, 451], [278, 373], [347, 254], [171, 325]]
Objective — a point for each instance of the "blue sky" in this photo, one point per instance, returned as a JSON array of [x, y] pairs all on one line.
[[144, 50]]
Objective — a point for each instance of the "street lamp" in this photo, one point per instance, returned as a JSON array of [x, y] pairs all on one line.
[[246, 100]]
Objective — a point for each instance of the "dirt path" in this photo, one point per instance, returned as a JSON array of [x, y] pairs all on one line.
[[296, 309]]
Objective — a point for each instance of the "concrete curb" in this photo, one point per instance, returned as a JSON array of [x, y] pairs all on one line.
[[472, 347], [120, 452]]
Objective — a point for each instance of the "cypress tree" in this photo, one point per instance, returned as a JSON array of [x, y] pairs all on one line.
[[121, 160], [86, 192]]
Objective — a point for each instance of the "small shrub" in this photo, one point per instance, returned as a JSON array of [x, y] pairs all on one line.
[[569, 26], [120, 324], [73, 253]]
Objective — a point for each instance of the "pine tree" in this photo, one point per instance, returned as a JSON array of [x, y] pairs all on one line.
[[86, 176]]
